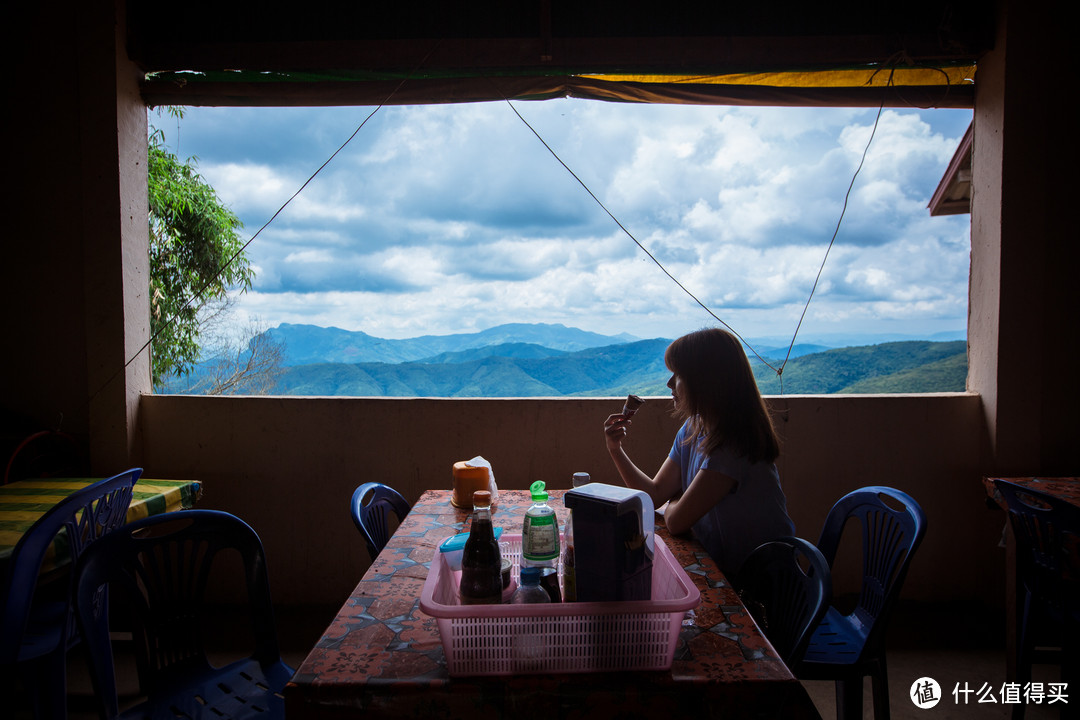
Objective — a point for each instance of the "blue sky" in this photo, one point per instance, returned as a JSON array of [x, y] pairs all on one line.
[[454, 218]]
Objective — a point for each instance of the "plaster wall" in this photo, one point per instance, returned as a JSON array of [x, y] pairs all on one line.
[[1024, 254], [288, 466], [72, 283], [75, 273], [41, 277]]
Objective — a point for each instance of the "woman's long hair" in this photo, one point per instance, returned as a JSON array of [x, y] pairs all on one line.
[[720, 397]]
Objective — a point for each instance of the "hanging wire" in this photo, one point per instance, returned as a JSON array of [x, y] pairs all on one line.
[[890, 65], [198, 293], [225, 266], [778, 370], [832, 241], [237, 254], [631, 235]]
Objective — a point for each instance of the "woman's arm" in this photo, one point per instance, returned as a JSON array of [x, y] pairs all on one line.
[[706, 489], [665, 485]]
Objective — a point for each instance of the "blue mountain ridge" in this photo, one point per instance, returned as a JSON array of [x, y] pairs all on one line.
[[307, 344], [593, 371], [524, 360]]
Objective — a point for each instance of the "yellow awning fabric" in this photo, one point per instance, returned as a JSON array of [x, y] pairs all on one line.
[[847, 78], [867, 86]]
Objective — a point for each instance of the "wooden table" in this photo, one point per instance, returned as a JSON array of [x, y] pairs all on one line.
[[381, 657], [1066, 488], [23, 502]]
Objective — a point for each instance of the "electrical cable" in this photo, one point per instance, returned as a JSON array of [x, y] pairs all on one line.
[[237, 254], [778, 370], [832, 240], [198, 293], [228, 262], [631, 235]]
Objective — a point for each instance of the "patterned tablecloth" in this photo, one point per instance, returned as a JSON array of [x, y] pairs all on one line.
[[1066, 488], [382, 656], [23, 502]]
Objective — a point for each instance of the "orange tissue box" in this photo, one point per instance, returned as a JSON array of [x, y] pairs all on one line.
[[467, 480]]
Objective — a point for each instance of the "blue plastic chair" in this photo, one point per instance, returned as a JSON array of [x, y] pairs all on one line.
[[847, 647], [787, 587], [38, 625], [159, 569], [371, 506], [1047, 534]]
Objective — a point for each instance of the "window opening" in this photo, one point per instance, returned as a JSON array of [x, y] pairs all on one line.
[[778, 368]]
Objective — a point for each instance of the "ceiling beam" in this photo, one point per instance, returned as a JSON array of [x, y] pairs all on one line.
[[486, 89], [542, 41]]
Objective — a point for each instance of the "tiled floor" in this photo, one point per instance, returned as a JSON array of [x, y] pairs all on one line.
[[950, 667], [298, 631], [972, 654], [957, 648]]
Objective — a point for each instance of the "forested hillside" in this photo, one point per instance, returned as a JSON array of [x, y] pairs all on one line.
[[538, 360], [518, 370], [596, 371], [898, 367]]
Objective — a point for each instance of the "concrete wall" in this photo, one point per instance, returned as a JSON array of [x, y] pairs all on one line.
[[289, 465], [1024, 254], [73, 291], [75, 272]]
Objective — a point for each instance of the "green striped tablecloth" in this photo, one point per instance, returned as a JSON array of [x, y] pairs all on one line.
[[23, 502]]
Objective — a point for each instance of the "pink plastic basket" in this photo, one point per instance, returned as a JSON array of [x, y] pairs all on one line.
[[560, 637]]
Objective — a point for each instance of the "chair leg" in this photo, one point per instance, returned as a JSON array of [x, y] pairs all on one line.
[[58, 681], [849, 696], [1070, 659], [1023, 652], [880, 685], [46, 684]]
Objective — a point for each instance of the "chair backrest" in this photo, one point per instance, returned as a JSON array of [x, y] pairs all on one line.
[[68, 528], [159, 568], [1047, 532], [371, 506], [893, 525], [787, 587]]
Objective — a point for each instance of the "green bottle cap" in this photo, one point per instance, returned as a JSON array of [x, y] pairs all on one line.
[[538, 491]]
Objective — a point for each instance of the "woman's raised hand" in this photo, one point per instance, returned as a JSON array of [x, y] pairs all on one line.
[[615, 429]]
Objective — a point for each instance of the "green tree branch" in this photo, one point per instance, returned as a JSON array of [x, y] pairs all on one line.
[[196, 256]]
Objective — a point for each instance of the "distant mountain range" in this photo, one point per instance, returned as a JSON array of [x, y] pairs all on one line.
[[913, 366], [306, 344], [509, 370], [542, 360]]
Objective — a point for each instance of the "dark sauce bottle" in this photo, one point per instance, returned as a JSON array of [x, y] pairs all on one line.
[[481, 562]]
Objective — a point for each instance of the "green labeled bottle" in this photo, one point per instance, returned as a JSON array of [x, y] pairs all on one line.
[[540, 532]]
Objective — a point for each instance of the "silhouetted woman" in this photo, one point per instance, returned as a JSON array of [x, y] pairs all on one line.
[[720, 478]]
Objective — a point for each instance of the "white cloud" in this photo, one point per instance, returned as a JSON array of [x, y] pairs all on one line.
[[248, 187], [447, 218], [258, 189], [310, 256]]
